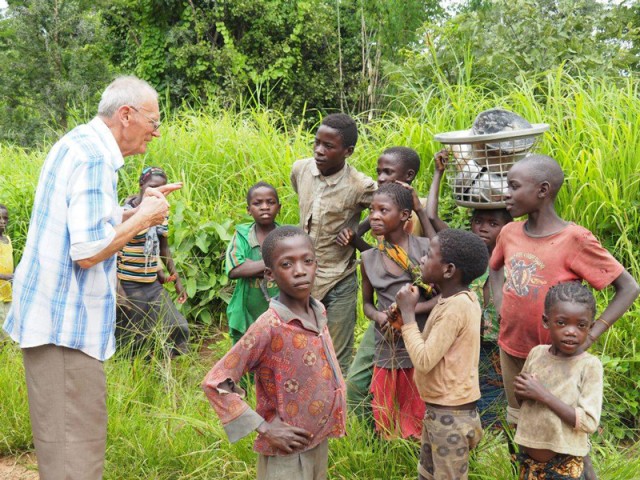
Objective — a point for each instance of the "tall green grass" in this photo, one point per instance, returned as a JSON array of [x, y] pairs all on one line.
[[160, 424]]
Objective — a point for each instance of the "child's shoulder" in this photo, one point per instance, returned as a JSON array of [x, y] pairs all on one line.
[[244, 228]]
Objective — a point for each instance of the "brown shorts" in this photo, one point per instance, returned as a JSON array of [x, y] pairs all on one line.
[[309, 465], [447, 438], [511, 366]]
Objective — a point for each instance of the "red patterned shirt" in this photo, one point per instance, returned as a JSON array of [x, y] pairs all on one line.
[[296, 376]]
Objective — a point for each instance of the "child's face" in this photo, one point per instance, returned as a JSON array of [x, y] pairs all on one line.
[[390, 168], [487, 225], [386, 216], [432, 267], [4, 220], [328, 151], [263, 206], [523, 191], [154, 181], [294, 268], [569, 324]]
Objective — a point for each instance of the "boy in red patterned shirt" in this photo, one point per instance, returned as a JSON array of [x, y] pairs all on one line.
[[300, 391]]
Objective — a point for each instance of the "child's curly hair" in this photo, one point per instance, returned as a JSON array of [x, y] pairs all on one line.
[[466, 251], [574, 292]]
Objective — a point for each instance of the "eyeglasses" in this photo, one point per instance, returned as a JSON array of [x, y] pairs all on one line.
[[156, 123]]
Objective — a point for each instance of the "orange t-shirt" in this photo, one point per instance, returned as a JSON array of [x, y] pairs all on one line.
[[535, 264]]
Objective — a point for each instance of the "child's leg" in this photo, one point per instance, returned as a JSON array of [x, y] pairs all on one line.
[[341, 302], [383, 388], [309, 465], [511, 367], [411, 407], [450, 436], [360, 374]]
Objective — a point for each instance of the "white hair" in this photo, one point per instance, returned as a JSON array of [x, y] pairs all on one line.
[[127, 90]]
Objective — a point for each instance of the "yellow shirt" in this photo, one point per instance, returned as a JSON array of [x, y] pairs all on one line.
[[6, 267]]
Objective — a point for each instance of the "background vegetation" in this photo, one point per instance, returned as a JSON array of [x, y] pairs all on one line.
[[244, 84]]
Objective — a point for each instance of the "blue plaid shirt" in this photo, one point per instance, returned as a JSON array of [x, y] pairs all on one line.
[[74, 217]]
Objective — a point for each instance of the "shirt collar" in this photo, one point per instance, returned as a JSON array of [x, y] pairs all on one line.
[[105, 134], [253, 236], [331, 179], [287, 315]]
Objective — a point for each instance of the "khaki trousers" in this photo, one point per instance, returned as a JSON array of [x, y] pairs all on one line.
[[309, 465], [68, 408]]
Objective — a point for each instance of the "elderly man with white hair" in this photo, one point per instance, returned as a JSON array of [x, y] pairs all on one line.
[[63, 313]]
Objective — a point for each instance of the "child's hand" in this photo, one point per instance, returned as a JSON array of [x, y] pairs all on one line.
[[345, 237], [283, 436], [407, 299], [417, 206], [441, 158], [528, 387], [182, 293]]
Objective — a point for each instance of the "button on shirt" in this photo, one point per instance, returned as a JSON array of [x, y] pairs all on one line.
[[74, 217], [327, 205]]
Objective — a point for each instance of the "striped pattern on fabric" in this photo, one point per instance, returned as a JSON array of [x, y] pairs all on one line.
[[74, 215]]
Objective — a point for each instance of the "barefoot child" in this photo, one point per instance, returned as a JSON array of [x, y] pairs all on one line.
[[6, 264], [445, 354], [486, 224], [331, 196], [397, 406], [559, 389], [395, 165], [244, 261], [141, 276], [540, 252], [299, 388]]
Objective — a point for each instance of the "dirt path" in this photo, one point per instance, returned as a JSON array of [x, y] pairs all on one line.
[[18, 468]]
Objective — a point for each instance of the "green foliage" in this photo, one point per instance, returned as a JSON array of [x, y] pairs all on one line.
[[504, 40], [51, 57]]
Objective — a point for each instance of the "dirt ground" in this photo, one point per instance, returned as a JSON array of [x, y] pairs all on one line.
[[18, 468]]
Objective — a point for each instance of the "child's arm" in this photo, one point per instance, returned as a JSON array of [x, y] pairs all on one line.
[[6, 276], [167, 259], [427, 228], [236, 263], [370, 310], [248, 269], [527, 387], [424, 354], [627, 291], [440, 160], [349, 237]]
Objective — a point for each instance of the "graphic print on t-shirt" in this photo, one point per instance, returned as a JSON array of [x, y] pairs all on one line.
[[523, 274]]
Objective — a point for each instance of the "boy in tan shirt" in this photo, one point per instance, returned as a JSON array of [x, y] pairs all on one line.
[[445, 355]]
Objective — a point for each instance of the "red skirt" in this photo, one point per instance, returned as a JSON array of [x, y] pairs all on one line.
[[397, 407]]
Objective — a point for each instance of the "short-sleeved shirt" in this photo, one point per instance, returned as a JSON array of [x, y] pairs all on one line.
[[249, 299], [576, 381], [297, 378], [74, 215], [327, 205], [532, 266], [6, 268], [390, 351]]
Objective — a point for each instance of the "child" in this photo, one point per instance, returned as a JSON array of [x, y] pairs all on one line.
[[299, 388], [486, 224], [544, 250], [400, 165], [559, 389], [445, 354], [244, 261], [331, 197], [396, 164], [6, 264], [397, 406], [143, 300]]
